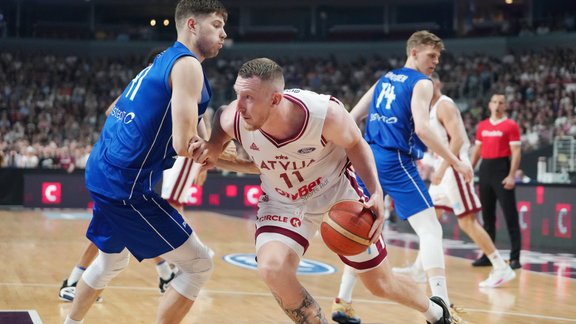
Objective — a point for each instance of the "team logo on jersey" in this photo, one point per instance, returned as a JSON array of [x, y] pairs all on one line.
[[254, 147], [306, 150], [129, 117], [306, 267]]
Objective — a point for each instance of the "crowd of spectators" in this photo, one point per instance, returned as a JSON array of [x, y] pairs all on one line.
[[52, 108]]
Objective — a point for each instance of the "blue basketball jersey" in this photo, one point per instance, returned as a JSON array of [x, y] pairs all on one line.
[[135, 145], [390, 124]]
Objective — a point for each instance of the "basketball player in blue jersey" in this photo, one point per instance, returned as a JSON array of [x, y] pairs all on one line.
[[165, 273], [153, 120], [397, 128]]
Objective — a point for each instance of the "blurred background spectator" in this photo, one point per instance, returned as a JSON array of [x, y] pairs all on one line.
[[57, 106], [53, 99]]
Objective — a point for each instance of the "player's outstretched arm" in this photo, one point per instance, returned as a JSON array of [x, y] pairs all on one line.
[[360, 111], [450, 118], [187, 80], [238, 165], [340, 129], [420, 105], [208, 152]]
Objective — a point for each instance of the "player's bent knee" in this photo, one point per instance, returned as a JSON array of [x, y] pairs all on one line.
[[466, 222], [268, 272], [195, 273], [272, 268], [432, 253], [425, 223], [105, 267], [194, 260]]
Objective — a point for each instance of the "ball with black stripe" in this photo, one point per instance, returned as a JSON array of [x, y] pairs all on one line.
[[345, 227]]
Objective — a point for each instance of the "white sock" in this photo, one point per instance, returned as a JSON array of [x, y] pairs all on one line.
[[163, 270], [68, 320], [497, 261], [347, 284], [433, 313], [75, 275], [439, 288]]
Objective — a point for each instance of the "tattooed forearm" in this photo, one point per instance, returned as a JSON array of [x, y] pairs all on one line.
[[309, 312]]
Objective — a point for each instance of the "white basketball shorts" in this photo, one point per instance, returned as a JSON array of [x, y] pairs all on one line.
[[455, 194], [295, 224], [177, 181]]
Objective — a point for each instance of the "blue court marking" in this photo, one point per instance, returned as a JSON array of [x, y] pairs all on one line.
[[306, 266], [67, 215]]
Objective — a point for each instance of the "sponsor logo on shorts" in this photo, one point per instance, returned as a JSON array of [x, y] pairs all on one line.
[[457, 206], [306, 266], [273, 218], [296, 222]]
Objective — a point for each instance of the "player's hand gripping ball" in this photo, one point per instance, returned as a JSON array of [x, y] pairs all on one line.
[[345, 227]]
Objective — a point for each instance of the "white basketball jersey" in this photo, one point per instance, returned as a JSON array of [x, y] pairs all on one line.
[[298, 168], [440, 131]]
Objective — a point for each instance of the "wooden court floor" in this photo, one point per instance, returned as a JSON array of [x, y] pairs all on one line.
[[37, 253]]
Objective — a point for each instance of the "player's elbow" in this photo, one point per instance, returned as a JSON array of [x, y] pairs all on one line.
[[180, 145], [421, 131], [458, 141], [357, 117], [181, 150]]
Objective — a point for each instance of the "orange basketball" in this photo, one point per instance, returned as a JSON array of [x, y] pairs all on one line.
[[345, 227]]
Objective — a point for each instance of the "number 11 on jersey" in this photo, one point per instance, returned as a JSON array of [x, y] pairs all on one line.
[[284, 177]]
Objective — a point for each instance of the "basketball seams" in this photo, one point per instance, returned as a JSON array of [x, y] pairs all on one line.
[[345, 227], [357, 219], [355, 203], [344, 232]]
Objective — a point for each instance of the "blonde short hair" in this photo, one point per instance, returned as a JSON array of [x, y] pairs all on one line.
[[263, 68], [423, 37]]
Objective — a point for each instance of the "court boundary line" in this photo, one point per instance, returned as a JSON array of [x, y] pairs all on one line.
[[327, 298], [34, 316]]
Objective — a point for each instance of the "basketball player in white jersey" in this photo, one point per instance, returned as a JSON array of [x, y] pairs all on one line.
[[449, 191], [304, 143]]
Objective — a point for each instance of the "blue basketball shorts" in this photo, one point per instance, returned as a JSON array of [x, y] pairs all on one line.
[[147, 225], [400, 179]]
